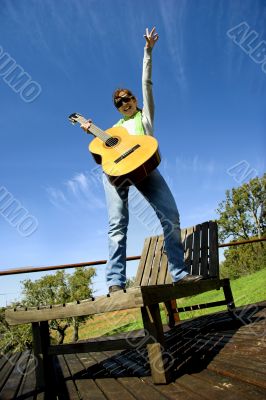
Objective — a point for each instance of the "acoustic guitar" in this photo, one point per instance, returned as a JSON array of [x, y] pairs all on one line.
[[126, 159]]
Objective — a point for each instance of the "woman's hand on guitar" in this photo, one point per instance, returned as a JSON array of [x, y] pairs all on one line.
[[86, 125], [151, 38]]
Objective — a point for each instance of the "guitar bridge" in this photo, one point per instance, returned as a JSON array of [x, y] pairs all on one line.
[[124, 155]]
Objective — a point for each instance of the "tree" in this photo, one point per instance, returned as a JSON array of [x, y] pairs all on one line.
[[48, 290], [79, 290], [60, 288], [243, 260], [15, 338], [242, 216]]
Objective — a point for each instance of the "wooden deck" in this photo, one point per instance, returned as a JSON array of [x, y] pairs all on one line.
[[213, 357]]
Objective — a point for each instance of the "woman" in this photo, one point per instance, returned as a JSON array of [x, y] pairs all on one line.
[[153, 187]]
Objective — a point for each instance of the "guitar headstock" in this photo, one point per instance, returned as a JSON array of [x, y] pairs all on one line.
[[76, 117]]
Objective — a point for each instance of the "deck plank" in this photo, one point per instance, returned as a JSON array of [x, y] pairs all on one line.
[[66, 386], [206, 389], [141, 390], [27, 388], [87, 388], [114, 389], [8, 366], [214, 356], [173, 391], [244, 390], [243, 362], [241, 373], [86, 360], [12, 385]]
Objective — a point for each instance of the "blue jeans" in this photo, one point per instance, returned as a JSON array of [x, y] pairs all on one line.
[[157, 193]]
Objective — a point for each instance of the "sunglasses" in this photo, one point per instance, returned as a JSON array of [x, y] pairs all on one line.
[[119, 102]]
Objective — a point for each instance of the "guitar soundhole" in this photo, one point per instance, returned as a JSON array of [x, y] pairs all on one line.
[[111, 142]]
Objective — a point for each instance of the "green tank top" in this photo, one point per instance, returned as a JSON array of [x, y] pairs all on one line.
[[139, 130]]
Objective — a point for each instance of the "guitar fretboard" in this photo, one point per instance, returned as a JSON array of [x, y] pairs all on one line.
[[109, 140], [99, 133]]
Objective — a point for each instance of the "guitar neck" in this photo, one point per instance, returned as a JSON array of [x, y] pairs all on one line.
[[99, 133]]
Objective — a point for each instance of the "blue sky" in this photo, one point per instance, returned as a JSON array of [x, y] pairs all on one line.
[[210, 116]]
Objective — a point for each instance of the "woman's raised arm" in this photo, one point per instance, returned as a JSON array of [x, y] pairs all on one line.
[[148, 103]]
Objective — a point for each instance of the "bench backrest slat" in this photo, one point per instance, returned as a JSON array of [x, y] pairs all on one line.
[[214, 255], [163, 270], [200, 244], [188, 248], [142, 262], [156, 262], [196, 250], [149, 261], [204, 268]]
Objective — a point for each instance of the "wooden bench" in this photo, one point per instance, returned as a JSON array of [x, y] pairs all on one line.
[[153, 286]]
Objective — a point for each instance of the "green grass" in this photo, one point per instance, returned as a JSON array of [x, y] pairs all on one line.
[[246, 290]]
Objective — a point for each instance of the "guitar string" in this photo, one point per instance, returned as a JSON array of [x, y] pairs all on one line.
[[103, 134]]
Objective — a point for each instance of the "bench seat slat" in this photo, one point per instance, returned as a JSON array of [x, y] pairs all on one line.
[[117, 301]]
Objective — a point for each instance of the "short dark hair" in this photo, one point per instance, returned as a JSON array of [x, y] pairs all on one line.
[[119, 90], [127, 92]]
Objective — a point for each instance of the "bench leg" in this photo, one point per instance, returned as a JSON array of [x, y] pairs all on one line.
[[160, 362], [172, 313], [229, 297], [41, 341]]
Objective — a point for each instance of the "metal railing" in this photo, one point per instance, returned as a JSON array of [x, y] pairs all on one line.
[[100, 262]]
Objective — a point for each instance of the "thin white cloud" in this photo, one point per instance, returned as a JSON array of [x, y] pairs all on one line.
[[72, 187], [56, 196], [82, 190], [75, 14], [173, 16], [82, 181], [195, 164], [237, 60]]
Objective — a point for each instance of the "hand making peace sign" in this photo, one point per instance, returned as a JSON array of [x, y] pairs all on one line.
[[151, 38]]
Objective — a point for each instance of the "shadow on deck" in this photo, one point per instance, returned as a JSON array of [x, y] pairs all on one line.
[[213, 356]]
